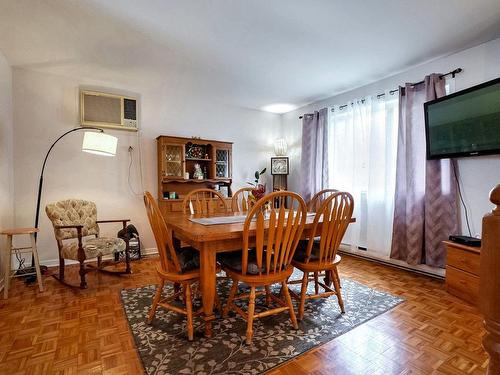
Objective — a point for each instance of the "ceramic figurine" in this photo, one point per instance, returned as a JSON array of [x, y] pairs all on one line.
[[198, 173]]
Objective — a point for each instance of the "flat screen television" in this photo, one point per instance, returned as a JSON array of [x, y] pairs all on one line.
[[465, 123]]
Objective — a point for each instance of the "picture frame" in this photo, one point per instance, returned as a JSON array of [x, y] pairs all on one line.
[[280, 165]]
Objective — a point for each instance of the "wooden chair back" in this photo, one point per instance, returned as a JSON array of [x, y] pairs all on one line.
[[163, 237], [278, 232], [204, 202], [315, 203], [335, 214], [240, 201]]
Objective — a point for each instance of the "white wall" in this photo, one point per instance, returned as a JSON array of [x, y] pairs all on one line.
[[6, 150], [46, 105], [478, 174]]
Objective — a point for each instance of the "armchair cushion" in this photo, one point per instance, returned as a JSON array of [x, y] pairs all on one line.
[[93, 247]]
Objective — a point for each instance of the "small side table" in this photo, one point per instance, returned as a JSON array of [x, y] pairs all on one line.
[[20, 250], [463, 271]]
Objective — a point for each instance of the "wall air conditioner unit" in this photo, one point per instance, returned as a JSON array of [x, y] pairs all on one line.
[[108, 110]]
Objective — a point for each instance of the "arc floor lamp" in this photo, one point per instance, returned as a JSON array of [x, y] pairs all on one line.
[[95, 141]]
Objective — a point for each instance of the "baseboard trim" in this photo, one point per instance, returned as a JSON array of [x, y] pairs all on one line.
[[422, 269], [55, 262]]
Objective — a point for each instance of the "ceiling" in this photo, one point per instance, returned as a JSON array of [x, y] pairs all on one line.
[[246, 53]]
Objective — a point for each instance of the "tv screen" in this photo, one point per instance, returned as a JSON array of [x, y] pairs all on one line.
[[466, 123]]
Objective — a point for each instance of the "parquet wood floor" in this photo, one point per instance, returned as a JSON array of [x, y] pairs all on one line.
[[65, 331]]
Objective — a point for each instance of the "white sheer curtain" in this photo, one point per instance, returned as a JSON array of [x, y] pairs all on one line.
[[362, 160]]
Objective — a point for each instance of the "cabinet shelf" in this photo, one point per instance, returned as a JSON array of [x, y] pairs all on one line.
[[196, 181], [193, 159]]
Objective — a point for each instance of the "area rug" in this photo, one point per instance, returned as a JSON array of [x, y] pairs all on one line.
[[164, 349]]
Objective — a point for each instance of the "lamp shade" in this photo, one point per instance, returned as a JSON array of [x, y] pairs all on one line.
[[280, 147], [99, 143]]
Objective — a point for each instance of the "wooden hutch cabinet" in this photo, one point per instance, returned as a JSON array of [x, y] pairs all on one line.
[[177, 157]]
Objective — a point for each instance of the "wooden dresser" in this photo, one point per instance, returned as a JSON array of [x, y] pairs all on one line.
[[462, 271]]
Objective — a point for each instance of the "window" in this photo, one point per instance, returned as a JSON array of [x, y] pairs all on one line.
[[362, 160]]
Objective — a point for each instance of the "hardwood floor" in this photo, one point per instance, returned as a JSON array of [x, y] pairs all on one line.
[[65, 331]]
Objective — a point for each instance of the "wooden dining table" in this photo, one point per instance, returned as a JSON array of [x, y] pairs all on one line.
[[210, 240]]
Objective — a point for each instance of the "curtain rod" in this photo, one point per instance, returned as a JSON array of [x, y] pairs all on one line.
[[391, 92]]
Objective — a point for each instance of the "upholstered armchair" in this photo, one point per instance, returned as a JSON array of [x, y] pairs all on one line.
[[76, 219]]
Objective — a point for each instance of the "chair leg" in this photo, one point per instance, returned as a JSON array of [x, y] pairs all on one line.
[[189, 309], [177, 287], [156, 300], [286, 292], [127, 257], [336, 285], [316, 283], [83, 282], [61, 269], [335, 273], [218, 303], [251, 312], [99, 262], [232, 293], [303, 291], [268, 295]]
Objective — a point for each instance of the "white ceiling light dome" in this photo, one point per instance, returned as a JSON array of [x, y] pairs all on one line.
[[279, 108]]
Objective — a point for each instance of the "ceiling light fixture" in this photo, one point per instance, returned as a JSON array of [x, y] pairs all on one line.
[[279, 108]]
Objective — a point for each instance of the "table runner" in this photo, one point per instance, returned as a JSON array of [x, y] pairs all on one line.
[[227, 219]]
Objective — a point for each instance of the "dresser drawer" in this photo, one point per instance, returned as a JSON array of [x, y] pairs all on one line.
[[463, 260], [462, 285]]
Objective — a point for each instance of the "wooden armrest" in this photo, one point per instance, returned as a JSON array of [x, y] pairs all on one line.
[[112, 221], [76, 226]]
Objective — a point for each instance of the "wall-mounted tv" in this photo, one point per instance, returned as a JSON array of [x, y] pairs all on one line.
[[466, 123]]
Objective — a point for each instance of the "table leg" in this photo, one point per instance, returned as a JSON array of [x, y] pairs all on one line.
[[208, 286]]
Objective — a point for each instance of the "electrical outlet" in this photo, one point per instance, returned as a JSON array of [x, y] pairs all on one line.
[[130, 149]]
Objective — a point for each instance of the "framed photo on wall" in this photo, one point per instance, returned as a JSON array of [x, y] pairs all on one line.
[[279, 165]]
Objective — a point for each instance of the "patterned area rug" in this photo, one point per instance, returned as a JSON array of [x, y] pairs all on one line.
[[164, 349]]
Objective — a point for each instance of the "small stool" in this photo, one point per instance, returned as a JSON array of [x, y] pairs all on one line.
[[20, 250]]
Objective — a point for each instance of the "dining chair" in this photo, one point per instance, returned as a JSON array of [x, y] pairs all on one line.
[[314, 204], [78, 238], [204, 202], [176, 266], [241, 200], [277, 233], [312, 257]]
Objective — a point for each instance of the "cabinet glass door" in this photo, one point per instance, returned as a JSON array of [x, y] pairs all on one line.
[[222, 163], [173, 161]]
